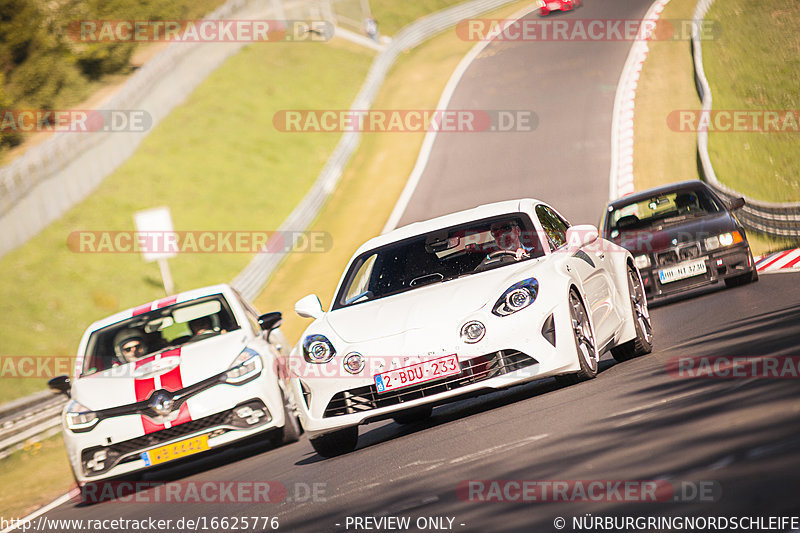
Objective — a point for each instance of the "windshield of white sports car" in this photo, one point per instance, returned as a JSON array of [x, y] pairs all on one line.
[[157, 331], [438, 257]]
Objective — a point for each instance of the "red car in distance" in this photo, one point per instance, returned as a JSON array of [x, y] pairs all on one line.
[[546, 6]]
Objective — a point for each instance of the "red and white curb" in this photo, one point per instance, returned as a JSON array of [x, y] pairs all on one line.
[[621, 175], [785, 261]]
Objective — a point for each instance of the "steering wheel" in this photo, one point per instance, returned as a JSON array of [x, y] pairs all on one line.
[[501, 253]]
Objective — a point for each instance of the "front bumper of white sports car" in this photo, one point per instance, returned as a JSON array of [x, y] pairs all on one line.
[[516, 349], [224, 413]]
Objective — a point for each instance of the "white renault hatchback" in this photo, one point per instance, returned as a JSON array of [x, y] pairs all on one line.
[[462, 304], [173, 378]]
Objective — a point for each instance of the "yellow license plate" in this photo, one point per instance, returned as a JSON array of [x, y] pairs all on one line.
[[176, 450]]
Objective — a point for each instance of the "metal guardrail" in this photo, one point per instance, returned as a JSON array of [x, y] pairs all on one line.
[[40, 185], [254, 277], [27, 418], [776, 219]]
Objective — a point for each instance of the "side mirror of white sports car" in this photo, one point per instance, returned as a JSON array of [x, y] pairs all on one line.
[[581, 235], [309, 307]]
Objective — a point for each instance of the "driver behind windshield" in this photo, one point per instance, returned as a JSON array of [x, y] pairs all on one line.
[[507, 237], [129, 345]]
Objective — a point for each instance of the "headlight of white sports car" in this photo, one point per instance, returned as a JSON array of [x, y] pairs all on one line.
[[80, 418], [247, 365], [517, 297], [318, 349]]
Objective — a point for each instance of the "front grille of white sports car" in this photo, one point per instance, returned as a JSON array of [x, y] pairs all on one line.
[[129, 450], [472, 371]]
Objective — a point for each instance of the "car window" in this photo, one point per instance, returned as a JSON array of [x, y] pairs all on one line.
[[359, 287], [438, 256], [554, 226], [667, 208], [164, 328], [249, 312]]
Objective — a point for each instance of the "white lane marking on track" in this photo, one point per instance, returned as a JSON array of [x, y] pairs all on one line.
[[495, 449], [430, 136], [722, 463], [657, 403]]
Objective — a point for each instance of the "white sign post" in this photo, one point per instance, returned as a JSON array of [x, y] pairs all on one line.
[[157, 240]]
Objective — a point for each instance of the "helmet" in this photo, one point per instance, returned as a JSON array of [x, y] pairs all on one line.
[[126, 335]]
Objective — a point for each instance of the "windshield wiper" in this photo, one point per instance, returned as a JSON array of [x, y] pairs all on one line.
[[426, 279]]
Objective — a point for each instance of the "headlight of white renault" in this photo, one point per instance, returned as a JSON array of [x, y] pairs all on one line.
[[517, 297], [247, 365], [318, 349], [80, 418]]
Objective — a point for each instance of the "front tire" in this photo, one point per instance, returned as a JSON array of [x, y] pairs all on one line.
[[643, 343], [585, 345], [336, 443], [292, 429]]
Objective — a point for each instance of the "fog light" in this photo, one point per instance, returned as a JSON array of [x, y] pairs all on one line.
[[354, 362], [472, 331], [641, 261], [244, 412], [250, 415], [97, 462]]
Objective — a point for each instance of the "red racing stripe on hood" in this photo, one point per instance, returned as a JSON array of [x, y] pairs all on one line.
[[150, 426], [144, 388], [172, 380], [183, 415]]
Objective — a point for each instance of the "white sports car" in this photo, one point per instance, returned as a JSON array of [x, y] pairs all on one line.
[[462, 304], [172, 378]]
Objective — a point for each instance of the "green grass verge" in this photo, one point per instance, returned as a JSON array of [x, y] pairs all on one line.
[[33, 476], [666, 84], [393, 15], [216, 161], [754, 64]]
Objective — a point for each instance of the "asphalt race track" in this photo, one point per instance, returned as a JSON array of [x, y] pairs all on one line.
[[720, 447], [565, 161]]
